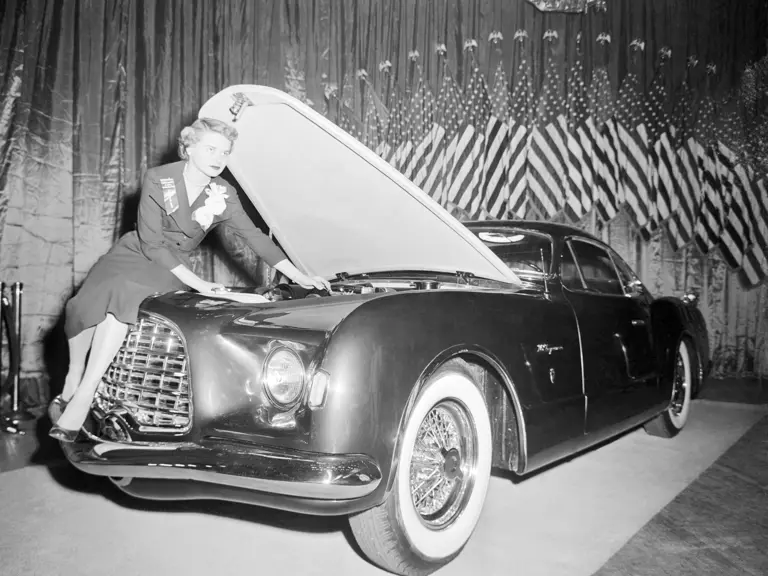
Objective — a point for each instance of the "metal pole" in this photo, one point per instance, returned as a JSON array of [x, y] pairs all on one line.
[[2, 331], [18, 415], [6, 425]]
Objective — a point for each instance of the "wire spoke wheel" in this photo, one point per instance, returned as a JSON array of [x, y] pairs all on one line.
[[443, 464]]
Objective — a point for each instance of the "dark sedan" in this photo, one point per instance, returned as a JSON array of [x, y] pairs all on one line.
[[443, 351]]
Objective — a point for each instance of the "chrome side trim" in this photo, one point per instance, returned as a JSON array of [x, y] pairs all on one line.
[[253, 467]]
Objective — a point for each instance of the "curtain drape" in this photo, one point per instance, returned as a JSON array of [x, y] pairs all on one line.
[[96, 91]]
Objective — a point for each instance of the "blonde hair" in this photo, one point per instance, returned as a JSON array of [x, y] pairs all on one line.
[[192, 133]]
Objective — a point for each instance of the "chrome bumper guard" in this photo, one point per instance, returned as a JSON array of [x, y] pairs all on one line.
[[270, 470]]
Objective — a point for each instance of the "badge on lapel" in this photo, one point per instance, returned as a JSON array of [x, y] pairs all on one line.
[[170, 197]]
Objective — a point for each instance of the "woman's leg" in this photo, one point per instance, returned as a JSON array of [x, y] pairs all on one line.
[[78, 352], [108, 338]]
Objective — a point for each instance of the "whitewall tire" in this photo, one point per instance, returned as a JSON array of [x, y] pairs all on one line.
[[441, 479], [670, 422]]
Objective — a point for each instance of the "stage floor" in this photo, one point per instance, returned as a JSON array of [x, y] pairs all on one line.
[[570, 520]]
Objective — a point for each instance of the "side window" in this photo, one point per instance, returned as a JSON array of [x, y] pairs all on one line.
[[569, 273], [597, 269], [628, 277]]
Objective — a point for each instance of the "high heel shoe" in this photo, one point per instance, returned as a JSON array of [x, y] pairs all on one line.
[[56, 408], [63, 434]]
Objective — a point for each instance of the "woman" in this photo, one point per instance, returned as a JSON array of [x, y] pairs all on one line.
[[179, 204]]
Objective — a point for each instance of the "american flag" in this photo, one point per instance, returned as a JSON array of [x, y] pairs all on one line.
[[373, 127], [634, 158], [548, 148], [608, 194], [736, 236], [663, 168], [497, 151], [685, 205], [737, 218], [450, 117], [419, 122], [394, 140], [519, 138], [402, 152], [710, 222], [581, 138], [466, 176], [755, 263]]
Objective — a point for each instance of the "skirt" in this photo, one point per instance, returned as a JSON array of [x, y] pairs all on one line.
[[117, 284]]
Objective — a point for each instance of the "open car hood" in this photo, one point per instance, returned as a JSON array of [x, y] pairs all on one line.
[[332, 203]]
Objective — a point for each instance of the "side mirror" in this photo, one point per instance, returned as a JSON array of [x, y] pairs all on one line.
[[691, 297], [635, 288]]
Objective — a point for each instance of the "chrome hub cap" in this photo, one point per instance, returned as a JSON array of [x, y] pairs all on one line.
[[678, 393], [443, 464]]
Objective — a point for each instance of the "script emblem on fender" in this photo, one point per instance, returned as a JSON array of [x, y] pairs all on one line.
[[547, 348]]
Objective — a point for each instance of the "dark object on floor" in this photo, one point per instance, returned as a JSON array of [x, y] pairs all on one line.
[[746, 390], [718, 526]]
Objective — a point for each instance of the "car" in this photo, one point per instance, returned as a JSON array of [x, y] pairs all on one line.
[[443, 351]]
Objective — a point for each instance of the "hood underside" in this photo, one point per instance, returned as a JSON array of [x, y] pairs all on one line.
[[333, 204]]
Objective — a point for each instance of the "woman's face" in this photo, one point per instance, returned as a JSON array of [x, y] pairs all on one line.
[[210, 153]]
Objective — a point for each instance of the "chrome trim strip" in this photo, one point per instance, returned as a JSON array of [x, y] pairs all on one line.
[[260, 468]]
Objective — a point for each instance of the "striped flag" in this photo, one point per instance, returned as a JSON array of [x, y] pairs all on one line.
[[497, 153], [519, 137], [395, 140], [710, 222], [755, 263], [465, 179], [663, 169], [419, 124], [608, 195], [373, 127], [634, 157], [581, 138], [737, 234], [548, 148], [685, 205], [451, 118]]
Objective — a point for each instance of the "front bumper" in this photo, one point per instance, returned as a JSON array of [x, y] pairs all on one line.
[[281, 472]]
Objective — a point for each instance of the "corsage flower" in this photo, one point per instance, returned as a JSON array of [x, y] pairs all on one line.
[[214, 205]]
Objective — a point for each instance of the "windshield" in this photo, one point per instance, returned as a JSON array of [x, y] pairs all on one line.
[[520, 250]]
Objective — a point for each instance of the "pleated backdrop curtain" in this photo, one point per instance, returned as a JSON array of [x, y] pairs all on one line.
[[96, 91]]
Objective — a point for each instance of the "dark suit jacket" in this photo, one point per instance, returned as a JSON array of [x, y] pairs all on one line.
[[167, 239]]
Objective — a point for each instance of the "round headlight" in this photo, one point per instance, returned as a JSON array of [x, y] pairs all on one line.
[[284, 377]]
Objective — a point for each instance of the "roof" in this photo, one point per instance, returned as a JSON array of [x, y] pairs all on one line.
[[551, 228]]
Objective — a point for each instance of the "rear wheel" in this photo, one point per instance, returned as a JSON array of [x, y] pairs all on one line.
[[442, 475], [669, 423]]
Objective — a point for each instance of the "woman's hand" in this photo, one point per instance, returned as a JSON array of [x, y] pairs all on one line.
[[312, 282], [288, 269], [210, 287]]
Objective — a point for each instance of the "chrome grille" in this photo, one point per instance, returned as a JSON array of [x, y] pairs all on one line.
[[149, 378]]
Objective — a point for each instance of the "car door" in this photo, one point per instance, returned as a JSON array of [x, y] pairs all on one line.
[[617, 384], [549, 343]]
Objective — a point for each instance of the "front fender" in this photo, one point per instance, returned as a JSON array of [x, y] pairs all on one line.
[[379, 354]]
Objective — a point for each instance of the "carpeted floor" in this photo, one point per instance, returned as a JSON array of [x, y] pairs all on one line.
[[718, 526], [568, 520]]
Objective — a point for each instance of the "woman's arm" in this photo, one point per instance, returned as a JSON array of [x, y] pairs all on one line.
[[241, 225], [152, 240]]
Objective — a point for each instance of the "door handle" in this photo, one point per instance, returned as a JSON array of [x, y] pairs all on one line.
[[638, 322]]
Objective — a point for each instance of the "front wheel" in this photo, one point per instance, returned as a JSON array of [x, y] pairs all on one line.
[[442, 476], [669, 423]]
